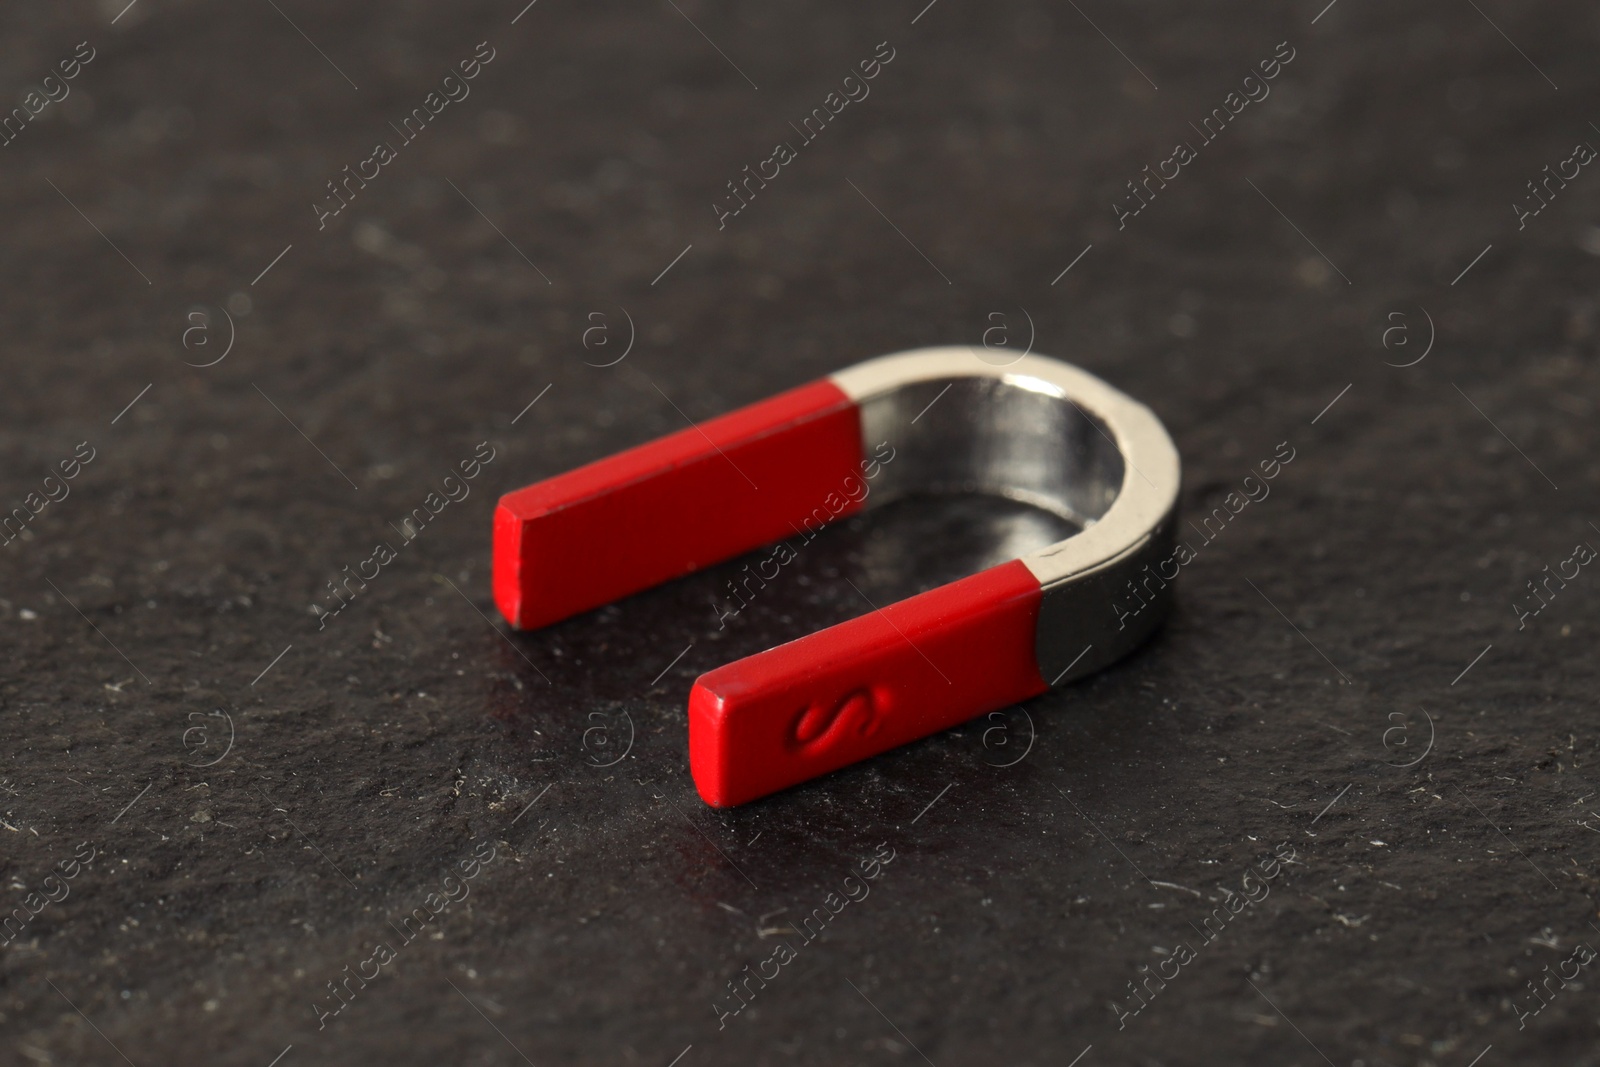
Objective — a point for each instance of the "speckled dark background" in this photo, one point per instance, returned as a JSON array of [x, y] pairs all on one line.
[[378, 753]]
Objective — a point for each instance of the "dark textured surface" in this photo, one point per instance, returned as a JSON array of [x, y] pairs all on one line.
[[382, 750]]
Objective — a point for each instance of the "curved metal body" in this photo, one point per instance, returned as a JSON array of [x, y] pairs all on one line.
[[1049, 434]]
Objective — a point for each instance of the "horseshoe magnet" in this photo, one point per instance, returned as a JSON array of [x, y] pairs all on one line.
[[935, 419]]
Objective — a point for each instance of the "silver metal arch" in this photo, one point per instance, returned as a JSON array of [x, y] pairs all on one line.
[[1049, 434]]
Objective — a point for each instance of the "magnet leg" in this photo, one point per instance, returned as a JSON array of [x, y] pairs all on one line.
[[839, 695], [675, 505]]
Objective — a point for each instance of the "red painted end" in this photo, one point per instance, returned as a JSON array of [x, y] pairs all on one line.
[[814, 705], [675, 505]]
